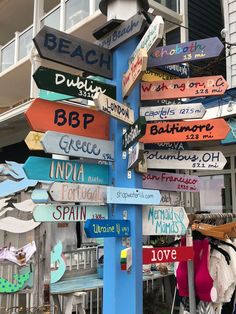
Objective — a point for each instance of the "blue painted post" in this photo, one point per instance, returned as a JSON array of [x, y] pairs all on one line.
[[122, 291]]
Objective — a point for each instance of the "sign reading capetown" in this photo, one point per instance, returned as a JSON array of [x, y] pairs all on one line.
[[72, 51]]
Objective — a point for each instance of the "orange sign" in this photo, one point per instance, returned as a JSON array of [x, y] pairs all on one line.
[[180, 88], [45, 115], [185, 131]]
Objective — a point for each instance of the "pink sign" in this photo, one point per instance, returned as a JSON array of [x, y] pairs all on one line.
[[170, 181]]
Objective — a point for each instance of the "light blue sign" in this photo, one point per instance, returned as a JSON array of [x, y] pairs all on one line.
[[107, 228], [117, 195], [39, 196], [45, 94], [40, 168]]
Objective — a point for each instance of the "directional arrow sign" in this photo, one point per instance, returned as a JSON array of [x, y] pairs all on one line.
[[33, 139], [39, 168], [69, 84], [62, 212], [78, 146], [164, 220], [40, 196], [134, 133], [158, 75], [113, 108], [107, 228], [186, 52], [47, 95], [180, 70], [72, 51], [116, 195], [173, 112], [75, 192], [186, 131], [187, 159], [45, 115], [190, 87]]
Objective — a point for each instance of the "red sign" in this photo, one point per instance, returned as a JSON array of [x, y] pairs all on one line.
[[180, 88], [167, 254], [45, 115]]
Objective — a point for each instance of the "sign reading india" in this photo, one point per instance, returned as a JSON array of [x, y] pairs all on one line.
[[170, 181], [164, 220], [72, 51], [62, 212], [45, 115], [188, 159], [186, 131], [116, 195], [182, 88], [107, 228], [40, 168], [78, 146], [134, 133]]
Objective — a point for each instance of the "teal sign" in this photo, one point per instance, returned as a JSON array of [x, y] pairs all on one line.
[[231, 137], [107, 228], [51, 96]]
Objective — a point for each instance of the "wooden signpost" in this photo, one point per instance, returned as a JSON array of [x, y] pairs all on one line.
[[66, 212], [116, 195], [45, 115], [33, 140], [170, 181], [186, 131], [75, 192], [113, 108], [173, 112], [69, 84], [135, 132], [186, 52], [158, 75], [78, 146], [164, 220], [134, 72], [181, 88], [72, 51], [107, 228], [188, 159], [40, 168]]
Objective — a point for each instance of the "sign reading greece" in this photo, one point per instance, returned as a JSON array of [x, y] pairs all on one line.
[[78, 146], [107, 228], [134, 133], [186, 52], [170, 181], [113, 108], [72, 51], [69, 84], [182, 88], [40, 168], [45, 115], [116, 195], [62, 212], [164, 220]]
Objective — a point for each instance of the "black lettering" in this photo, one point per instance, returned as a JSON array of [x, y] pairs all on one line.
[[63, 44], [78, 52], [50, 41], [73, 116], [88, 118], [87, 56], [153, 130], [60, 114]]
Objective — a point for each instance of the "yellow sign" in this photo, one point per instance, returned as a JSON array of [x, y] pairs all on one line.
[[149, 76], [33, 139]]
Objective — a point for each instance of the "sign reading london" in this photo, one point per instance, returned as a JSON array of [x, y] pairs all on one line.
[[107, 228], [72, 51]]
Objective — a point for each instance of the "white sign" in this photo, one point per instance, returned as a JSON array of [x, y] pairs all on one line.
[[134, 155], [220, 110]]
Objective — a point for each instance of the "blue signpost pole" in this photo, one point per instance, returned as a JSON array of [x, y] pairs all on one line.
[[122, 290]]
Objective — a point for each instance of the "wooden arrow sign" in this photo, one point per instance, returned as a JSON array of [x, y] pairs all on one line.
[[113, 108], [40, 168], [186, 52], [186, 131], [173, 112], [78, 146], [40, 196], [180, 70], [74, 192], [72, 51], [158, 75], [181, 88], [187, 159], [134, 133], [45, 115], [107, 228], [69, 84], [33, 140], [164, 220]]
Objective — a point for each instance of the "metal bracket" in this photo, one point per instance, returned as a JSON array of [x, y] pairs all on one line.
[[129, 174], [124, 154]]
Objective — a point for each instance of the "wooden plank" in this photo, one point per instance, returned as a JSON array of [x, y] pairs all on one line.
[[180, 70], [164, 220], [188, 159], [72, 51], [220, 110], [135, 155], [173, 112], [40, 196], [158, 75], [47, 169], [186, 131], [114, 109], [77, 146], [167, 254], [33, 139], [51, 96], [74, 192], [45, 115], [170, 181], [181, 88], [134, 133], [107, 228], [68, 212], [15, 225], [231, 137]]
